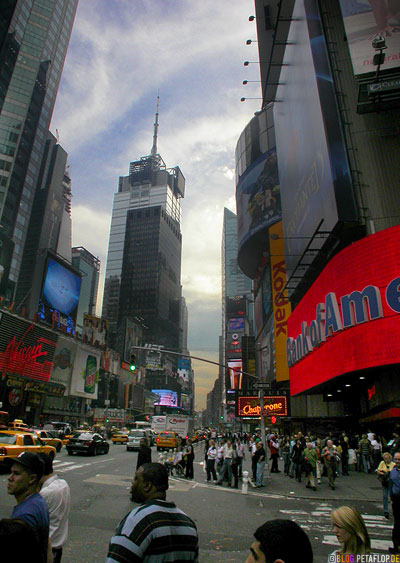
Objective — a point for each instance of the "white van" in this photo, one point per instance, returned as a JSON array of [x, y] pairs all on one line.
[[134, 438]]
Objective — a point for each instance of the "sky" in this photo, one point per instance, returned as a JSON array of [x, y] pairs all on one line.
[[122, 54]]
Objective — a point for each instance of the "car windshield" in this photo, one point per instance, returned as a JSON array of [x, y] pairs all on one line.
[[8, 438], [166, 434], [83, 436], [138, 434]]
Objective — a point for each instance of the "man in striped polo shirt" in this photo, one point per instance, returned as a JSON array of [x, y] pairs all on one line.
[[156, 530]]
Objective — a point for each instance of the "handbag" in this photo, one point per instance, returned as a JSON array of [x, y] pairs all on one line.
[[384, 478]]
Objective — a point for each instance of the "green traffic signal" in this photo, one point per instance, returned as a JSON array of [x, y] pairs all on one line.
[[132, 363]]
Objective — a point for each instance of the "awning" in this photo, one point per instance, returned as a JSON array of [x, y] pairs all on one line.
[[383, 415]]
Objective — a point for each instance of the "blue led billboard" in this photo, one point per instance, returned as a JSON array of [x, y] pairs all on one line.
[[58, 304], [167, 398]]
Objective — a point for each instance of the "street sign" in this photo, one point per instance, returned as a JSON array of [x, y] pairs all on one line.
[[261, 385]]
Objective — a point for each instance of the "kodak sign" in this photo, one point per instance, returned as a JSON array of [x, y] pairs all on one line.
[[280, 304]]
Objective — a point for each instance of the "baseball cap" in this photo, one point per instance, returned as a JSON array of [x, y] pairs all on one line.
[[30, 460]]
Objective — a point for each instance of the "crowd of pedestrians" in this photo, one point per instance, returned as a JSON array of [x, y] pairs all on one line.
[[157, 529]]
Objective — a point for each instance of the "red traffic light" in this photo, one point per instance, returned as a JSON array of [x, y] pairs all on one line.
[[273, 419]]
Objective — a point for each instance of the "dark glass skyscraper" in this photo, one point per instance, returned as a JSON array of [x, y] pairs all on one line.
[[34, 36], [143, 275]]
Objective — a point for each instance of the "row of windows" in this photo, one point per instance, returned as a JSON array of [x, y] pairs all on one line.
[[5, 165], [6, 149], [13, 108]]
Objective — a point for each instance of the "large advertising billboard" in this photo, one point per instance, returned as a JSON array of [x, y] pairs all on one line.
[[349, 319], [85, 375], [95, 331], [280, 303], [316, 189], [258, 196], [167, 398], [362, 21], [58, 304], [64, 358], [235, 375], [26, 349]]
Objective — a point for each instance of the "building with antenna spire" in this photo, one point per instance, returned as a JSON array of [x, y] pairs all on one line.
[[143, 272]]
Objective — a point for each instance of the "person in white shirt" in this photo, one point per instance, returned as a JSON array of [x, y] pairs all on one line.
[[211, 457], [241, 456], [226, 467], [57, 496]]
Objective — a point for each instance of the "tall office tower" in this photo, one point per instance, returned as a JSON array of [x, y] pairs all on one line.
[[143, 271], [49, 227], [89, 265], [34, 36], [236, 304]]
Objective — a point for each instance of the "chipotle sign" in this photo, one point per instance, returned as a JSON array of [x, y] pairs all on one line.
[[273, 405]]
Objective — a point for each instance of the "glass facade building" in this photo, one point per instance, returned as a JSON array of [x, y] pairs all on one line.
[[34, 36], [144, 254], [89, 265]]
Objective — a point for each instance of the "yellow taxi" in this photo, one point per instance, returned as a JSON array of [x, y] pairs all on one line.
[[13, 443], [166, 440], [119, 438], [49, 438], [19, 425]]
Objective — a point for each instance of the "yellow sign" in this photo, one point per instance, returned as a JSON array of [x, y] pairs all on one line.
[[280, 302]]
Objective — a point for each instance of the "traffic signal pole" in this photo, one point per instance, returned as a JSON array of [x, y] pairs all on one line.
[[163, 351]]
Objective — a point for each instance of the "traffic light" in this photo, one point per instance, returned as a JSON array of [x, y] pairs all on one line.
[[273, 419], [132, 363], [221, 417]]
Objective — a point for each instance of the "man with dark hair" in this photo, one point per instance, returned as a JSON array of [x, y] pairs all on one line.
[[144, 455], [57, 495], [156, 530], [278, 541], [23, 483]]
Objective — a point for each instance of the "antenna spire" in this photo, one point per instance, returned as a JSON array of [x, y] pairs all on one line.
[[154, 147]]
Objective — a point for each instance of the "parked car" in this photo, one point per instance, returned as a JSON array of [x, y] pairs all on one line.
[[166, 440], [50, 438], [13, 443], [134, 438], [87, 443], [119, 438]]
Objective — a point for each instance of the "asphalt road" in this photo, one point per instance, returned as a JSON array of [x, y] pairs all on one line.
[[225, 518]]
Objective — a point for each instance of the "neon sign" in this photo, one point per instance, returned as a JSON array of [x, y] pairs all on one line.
[[273, 405]]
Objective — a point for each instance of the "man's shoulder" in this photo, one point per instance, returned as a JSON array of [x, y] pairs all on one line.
[[153, 511], [33, 509]]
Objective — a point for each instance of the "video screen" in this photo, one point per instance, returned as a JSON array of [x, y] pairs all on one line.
[[235, 325], [167, 398], [235, 368], [60, 296]]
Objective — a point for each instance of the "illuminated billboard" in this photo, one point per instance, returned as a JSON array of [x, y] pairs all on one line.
[[167, 398], [235, 377], [364, 20], [59, 300], [273, 405], [85, 374], [236, 324], [95, 331], [258, 197], [316, 187], [349, 319]]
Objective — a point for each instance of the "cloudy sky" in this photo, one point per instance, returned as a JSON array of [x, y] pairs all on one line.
[[122, 54]]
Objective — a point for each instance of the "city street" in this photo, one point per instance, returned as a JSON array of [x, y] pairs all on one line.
[[225, 518]]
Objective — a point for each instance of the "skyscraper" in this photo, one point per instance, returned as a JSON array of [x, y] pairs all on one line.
[[144, 254], [89, 265], [34, 36]]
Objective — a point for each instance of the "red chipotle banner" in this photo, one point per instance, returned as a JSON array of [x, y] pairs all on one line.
[[25, 348], [273, 405]]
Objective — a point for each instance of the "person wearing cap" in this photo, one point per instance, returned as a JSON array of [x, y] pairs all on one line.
[[23, 483], [56, 493], [278, 541]]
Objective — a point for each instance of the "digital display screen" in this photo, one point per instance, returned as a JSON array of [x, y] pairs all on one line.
[[359, 290], [167, 398], [235, 324], [235, 368], [58, 305]]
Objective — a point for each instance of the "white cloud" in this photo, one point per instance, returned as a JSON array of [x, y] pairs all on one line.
[[121, 54]]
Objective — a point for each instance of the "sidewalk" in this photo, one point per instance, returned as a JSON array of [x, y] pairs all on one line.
[[356, 487]]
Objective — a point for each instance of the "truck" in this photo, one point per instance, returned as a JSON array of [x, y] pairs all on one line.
[[158, 424], [181, 424]]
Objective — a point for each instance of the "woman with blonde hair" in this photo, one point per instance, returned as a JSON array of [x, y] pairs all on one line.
[[350, 530]]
